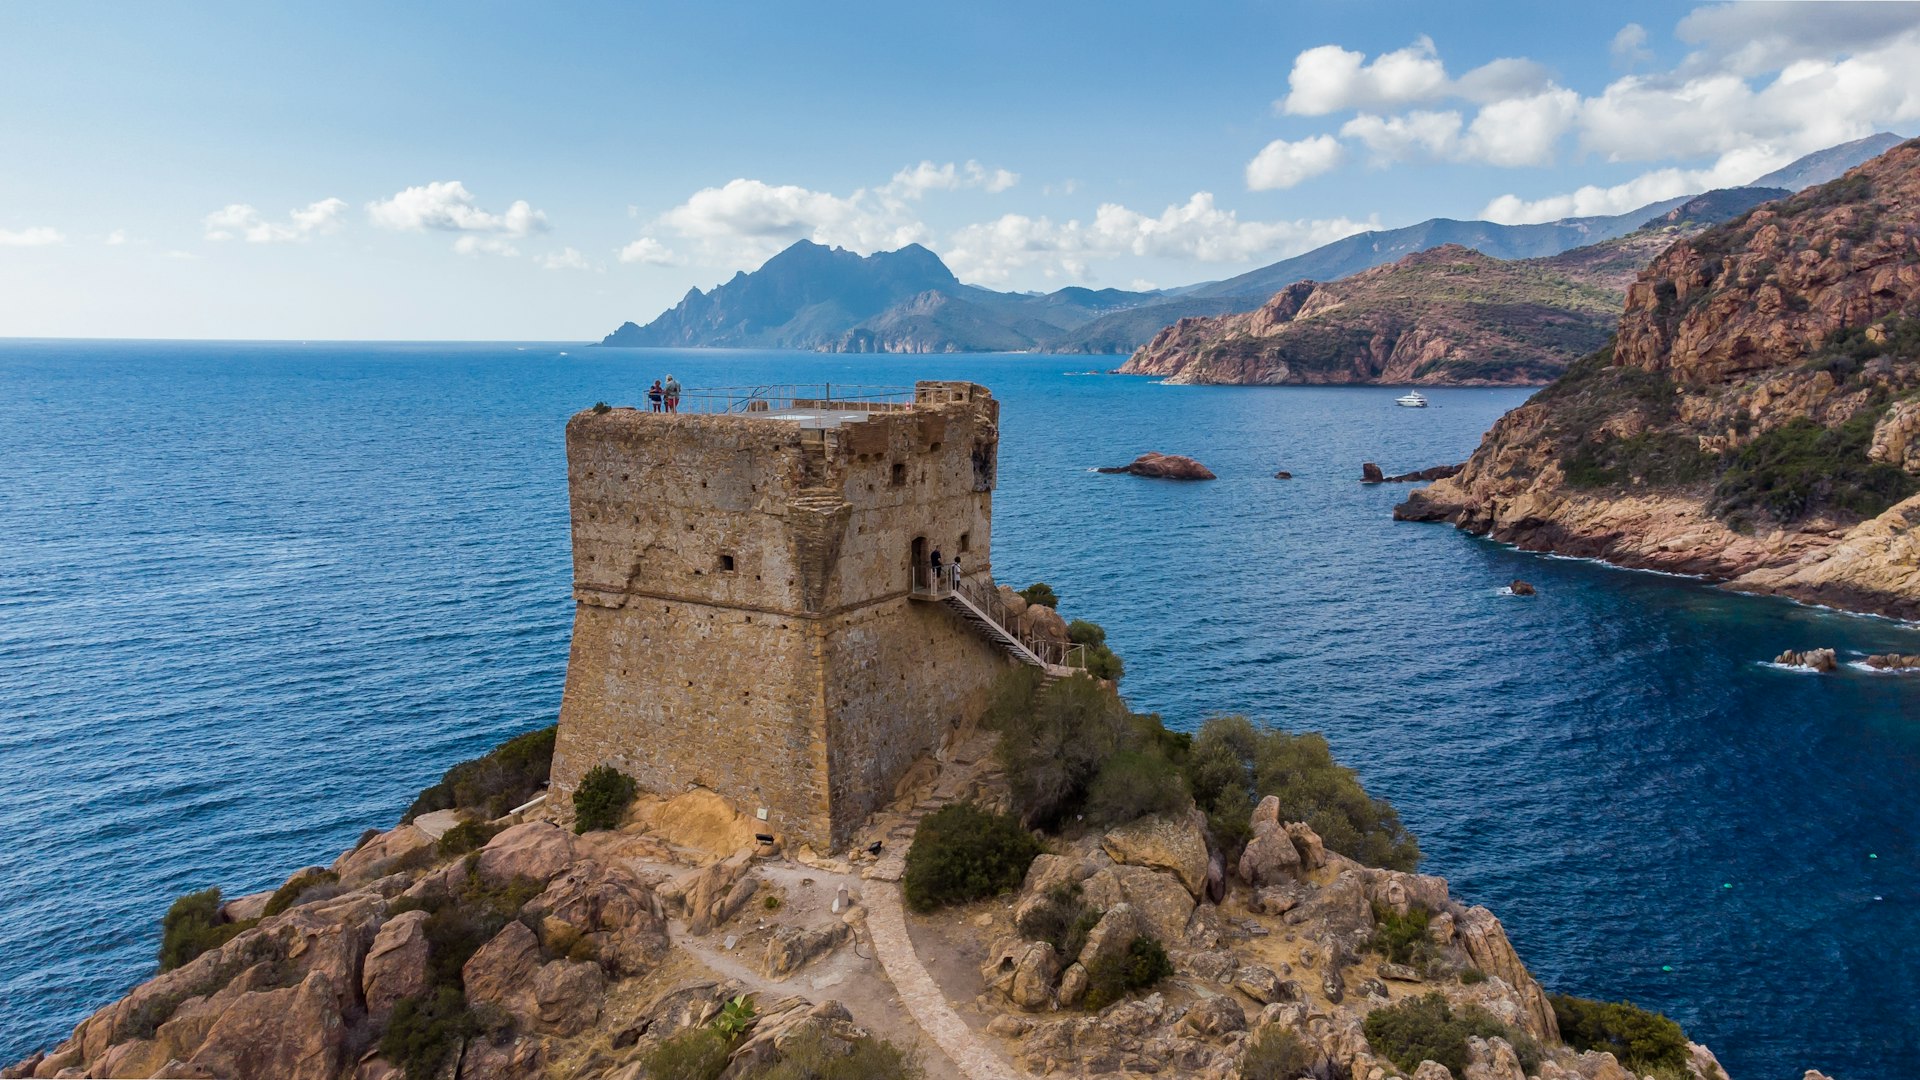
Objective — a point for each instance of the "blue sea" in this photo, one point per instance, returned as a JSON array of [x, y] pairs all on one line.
[[253, 596]]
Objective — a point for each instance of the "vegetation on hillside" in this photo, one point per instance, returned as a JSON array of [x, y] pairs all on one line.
[[602, 799], [1646, 1042], [1429, 1028], [192, 925], [962, 853], [494, 783]]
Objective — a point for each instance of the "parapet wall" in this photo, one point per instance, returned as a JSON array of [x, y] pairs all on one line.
[[742, 620]]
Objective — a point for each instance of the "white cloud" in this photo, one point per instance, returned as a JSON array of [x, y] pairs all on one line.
[[1407, 137], [116, 238], [1282, 164], [649, 251], [1517, 131], [1629, 46], [1753, 39], [564, 259], [915, 181], [447, 206], [34, 236], [1329, 79], [745, 220], [241, 221], [1196, 231], [1733, 169]]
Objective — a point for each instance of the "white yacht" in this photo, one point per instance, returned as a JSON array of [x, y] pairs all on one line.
[[1411, 399]]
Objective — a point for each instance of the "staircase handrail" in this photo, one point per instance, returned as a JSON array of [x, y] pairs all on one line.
[[986, 599]]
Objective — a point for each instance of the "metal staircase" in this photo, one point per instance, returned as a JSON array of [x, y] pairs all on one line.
[[980, 606]]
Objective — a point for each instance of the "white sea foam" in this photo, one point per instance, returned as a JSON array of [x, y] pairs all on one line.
[[1799, 668]]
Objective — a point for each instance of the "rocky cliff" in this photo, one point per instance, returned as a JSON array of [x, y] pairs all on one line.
[[539, 953], [1752, 419], [1447, 315]]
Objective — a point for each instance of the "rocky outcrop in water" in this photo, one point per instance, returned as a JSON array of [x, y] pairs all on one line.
[[1750, 423], [1822, 660], [1163, 467]]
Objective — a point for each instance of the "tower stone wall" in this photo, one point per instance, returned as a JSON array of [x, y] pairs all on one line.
[[742, 620]]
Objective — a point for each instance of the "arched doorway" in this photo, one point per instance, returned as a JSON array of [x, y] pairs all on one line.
[[917, 561]]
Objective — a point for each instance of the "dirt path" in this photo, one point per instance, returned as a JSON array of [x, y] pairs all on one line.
[[888, 923]]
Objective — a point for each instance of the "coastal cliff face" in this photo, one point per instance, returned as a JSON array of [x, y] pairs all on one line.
[[1751, 421], [1447, 315]]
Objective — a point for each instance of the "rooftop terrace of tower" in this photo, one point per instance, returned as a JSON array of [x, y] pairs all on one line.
[[814, 405]]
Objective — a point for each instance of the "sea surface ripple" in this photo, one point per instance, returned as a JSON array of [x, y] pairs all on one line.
[[253, 596]]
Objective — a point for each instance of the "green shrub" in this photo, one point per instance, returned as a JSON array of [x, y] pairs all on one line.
[[1041, 593], [1802, 467], [698, 1053], [1472, 976], [289, 893], [1133, 784], [1643, 1041], [424, 1030], [1276, 1053], [192, 926], [735, 1017], [493, 784], [810, 1056], [467, 836], [1428, 1028], [1659, 458], [1111, 978], [601, 407], [1063, 920], [1083, 632], [1054, 751], [1402, 939], [1234, 762], [961, 853], [602, 799], [1104, 663]]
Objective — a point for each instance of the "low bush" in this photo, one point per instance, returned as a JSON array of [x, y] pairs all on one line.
[[424, 1030], [1111, 978], [698, 1053], [1428, 1028], [289, 894], [1063, 920], [811, 1056], [494, 783], [1662, 459], [1102, 662], [1133, 784], [1084, 632], [192, 926], [467, 836], [1234, 762], [1472, 976], [1276, 1053], [1801, 468], [602, 799], [1646, 1042], [1054, 745], [961, 853], [1402, 939], [1041, 593], [601, 407]]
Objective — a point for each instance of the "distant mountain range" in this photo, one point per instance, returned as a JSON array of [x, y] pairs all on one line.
[[1443, 316], [832, 300]]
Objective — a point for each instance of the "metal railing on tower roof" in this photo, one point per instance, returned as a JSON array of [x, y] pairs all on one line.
[[777, 398]]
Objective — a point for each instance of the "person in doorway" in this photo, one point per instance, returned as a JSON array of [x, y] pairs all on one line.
[[938, 579], [655, 394], [672, 391]]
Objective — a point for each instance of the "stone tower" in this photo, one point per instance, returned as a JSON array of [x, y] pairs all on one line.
[[742, 615]]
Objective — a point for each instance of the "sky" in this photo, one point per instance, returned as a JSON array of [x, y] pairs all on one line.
[[504, 171]]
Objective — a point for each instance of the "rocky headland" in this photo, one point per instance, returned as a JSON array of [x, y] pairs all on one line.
[[461, 945], [1755, 420]]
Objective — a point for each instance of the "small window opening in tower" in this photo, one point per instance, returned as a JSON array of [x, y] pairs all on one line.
[[726, 564], [966, 541], [899, 474]]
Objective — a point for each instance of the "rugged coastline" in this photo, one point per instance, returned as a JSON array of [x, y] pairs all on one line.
[[1751, 421], [585, 954]]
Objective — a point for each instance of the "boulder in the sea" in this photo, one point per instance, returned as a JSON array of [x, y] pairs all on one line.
[[1437, 472], [1371, 474], [1520, 588], [1163, 467], [1894, 661], [1283, 475], [1822, 660]]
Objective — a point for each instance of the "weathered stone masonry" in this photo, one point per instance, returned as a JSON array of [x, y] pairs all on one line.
[[742, 620]]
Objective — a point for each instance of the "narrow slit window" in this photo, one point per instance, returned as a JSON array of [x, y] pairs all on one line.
[[726, 564], [899, 474]]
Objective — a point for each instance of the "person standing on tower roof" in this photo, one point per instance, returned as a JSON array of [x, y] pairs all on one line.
[[655, 394], [672, 390]]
